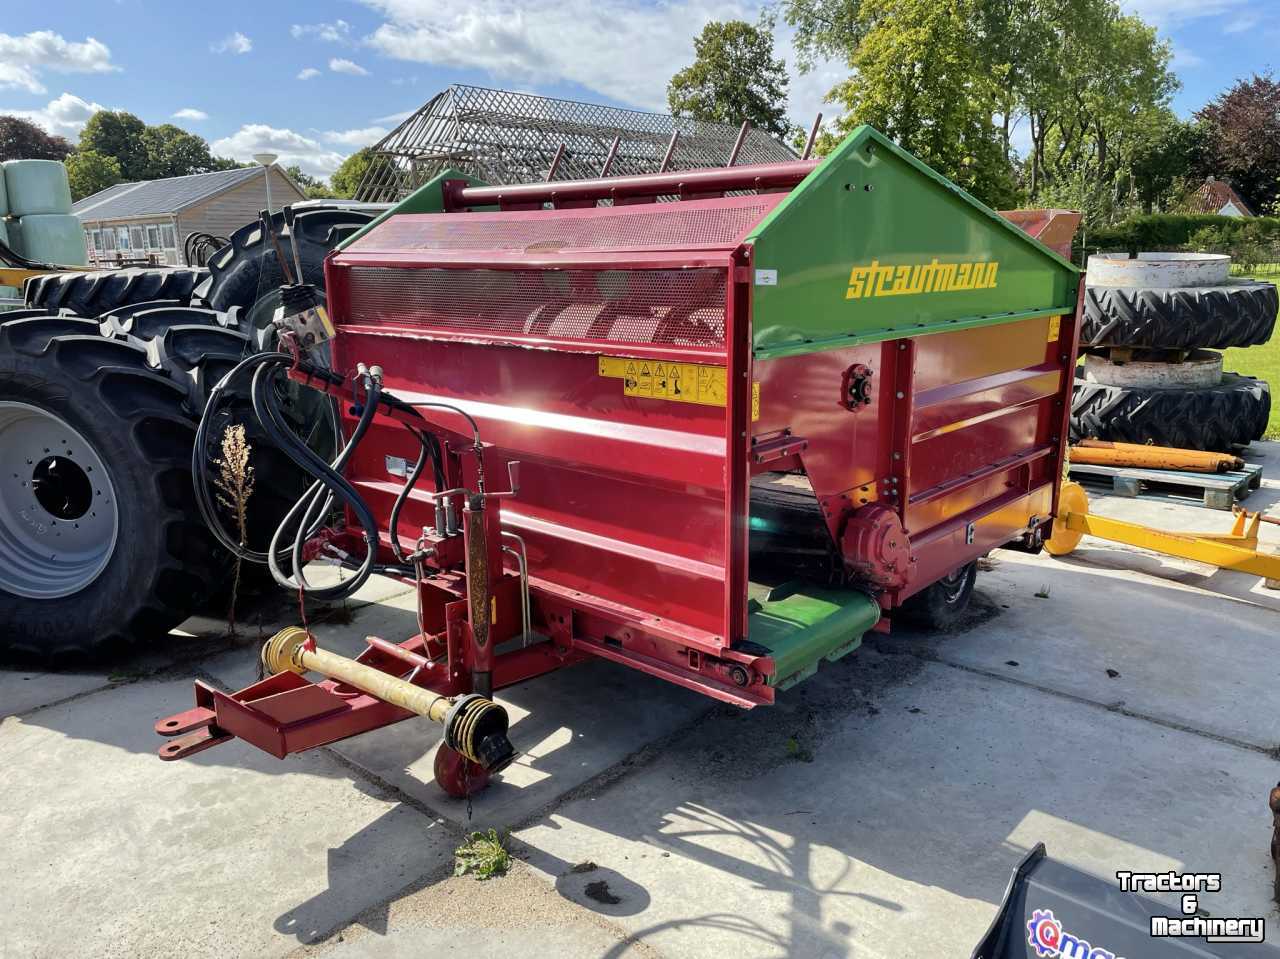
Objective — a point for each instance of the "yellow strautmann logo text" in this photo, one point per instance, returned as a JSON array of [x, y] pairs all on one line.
[[933, 277]]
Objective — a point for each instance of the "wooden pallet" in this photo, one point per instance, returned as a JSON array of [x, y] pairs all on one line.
[[1215, 490]]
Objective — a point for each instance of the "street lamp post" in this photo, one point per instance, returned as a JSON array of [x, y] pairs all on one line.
[[266, 160]]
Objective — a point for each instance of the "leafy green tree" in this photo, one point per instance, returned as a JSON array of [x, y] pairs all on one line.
[[114, 133], [90, 171], [313, 187], [1242, 139], [346, 179], [915, 80], [149, 152], [22, 140], [1160, 166], [172, 151], [734, 77]]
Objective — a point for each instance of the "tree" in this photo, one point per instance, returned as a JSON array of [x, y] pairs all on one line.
[[733, 78], [121, 135], [90, 171], [346, 179], [149, 152], [22, 140], [1091, 85], [1242, 139], [313, 187], [172, 151], [1161, 165], [917, 78]]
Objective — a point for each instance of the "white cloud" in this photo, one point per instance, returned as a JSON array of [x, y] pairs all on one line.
[[23, 58], [64, 116], [291, 147], [626, 50], [337, 32], [356, 138], [1167, 14], [395, 118], [308, 73], [1184, 58], [235, 43], [190, 113], [1241, 24], [341, 65]]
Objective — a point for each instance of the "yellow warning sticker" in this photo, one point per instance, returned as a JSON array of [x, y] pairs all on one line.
[[1055, 327], [677, 382]]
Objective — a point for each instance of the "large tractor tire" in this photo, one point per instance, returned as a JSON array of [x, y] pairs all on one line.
[[1180, 318], [244, 272], [1233, 413], [98, 292], [101, 545]]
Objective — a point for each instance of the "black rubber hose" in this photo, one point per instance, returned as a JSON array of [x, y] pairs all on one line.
[[264, 405], [393, 525], [200, 459]]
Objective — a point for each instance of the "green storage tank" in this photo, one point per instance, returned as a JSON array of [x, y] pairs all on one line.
[[37, 187]]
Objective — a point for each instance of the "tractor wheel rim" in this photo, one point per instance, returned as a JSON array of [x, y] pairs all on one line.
[[58, 513]]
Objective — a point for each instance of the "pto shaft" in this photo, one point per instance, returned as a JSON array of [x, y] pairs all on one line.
[[474, 726]]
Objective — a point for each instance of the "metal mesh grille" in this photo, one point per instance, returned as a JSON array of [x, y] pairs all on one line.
[[691, 224], [500, 136], [675, 307]]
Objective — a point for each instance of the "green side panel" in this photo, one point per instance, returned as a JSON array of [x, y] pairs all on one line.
[[873, 245], [428, 198], [802, 627]]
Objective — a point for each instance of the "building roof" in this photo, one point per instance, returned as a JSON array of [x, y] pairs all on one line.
[[159, 197], [1214, 194]]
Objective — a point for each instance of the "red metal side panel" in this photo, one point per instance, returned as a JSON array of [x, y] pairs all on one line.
[[963, 435]]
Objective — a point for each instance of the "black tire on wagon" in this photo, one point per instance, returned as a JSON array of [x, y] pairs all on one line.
[[941, 604]]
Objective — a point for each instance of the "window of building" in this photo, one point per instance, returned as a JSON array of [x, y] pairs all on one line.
[[153, 238], [122, 237], [108, 240], [135, 236], [89, 240], [166, 234]]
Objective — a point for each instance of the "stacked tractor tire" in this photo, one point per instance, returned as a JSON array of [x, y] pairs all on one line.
[[103, 380], [1151, 329]]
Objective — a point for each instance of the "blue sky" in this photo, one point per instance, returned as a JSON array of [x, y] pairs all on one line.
[[316, 81]]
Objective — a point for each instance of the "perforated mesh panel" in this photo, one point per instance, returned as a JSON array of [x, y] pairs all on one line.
[[667, 226], [677, 307]]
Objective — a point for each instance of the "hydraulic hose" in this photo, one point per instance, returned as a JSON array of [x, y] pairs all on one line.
[[313, 504], [329, 483]]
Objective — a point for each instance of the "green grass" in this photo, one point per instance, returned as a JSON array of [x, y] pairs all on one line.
[[1261, 361]]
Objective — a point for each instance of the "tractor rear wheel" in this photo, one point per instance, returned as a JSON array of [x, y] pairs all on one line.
[[243, 273], [100, 541], [98, 292]]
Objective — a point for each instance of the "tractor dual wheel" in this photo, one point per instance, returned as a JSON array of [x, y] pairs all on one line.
[[1232, 413], [1179, 318], [92, 294], [100, 541]]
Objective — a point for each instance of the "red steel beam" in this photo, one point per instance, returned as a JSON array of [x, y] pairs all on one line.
[[758, 176]]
